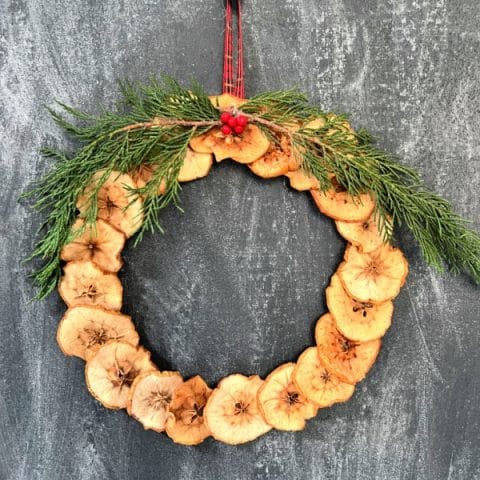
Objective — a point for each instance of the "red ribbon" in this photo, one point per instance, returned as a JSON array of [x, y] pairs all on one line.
[[233, 82]]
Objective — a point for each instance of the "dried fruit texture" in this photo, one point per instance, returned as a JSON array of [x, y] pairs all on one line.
[[365, 235], [282, 404], [84, 283], [315, 124], [358, 321], [112, 200], [339, 205], [302, 181], [244, 148], [373, 277], [150, 396], [275, 162], [144, 174], [83, 330], [185, 424], [316, 383], [226, 101], [196, 165], [232, 413], [111, 371], [100, 243], [348, 360]]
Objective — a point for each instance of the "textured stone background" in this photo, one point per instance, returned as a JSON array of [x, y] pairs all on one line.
[[237, 282]]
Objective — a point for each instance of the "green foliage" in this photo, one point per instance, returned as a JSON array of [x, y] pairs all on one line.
[[443, 236], [158, 121], [282, 107], [108, 146]]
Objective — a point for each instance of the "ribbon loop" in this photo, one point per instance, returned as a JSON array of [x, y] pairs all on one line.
[[233, 82]]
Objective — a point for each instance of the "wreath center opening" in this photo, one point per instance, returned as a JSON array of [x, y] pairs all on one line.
[[240, 271]]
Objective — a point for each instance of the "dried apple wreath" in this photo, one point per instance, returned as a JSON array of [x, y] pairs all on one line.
[[120, 374], [130, 167]]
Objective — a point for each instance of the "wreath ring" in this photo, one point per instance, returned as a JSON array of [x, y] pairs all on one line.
[[130, 167], [119, 372]]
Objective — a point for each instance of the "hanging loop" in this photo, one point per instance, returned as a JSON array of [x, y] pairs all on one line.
[[233, 81]]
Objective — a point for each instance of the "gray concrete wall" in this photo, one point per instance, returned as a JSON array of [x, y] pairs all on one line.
[[237, 282]]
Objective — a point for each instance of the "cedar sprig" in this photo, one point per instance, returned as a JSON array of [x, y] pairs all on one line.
[[401, 198], [283, 107], [115, 142], [168, 161], [154, 126]]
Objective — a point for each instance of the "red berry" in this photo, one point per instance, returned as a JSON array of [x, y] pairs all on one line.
[[238, 129], [225, 117], [226, 130], [232, 122], [242, 120]]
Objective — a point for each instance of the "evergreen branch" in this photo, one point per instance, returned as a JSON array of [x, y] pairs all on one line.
[[159, 124], [443, 236], [158, 121], [168, 169], [280, 107]]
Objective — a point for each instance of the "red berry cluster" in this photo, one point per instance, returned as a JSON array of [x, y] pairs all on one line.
[[233, 124]]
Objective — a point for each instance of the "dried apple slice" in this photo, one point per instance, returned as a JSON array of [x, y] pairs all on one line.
[[275, 162], [302, 181], [243, 148], [348, 360], [150, 396], [270, 166], [315, 124], [185, 424], [339, 205], [358, 321], [83, 330], [83, 283], [365, 235], [195, 165], [111, 371], [232, 413], [144, 174], [112, 201], [295, 162], [373, 277], [204, 143], [225, 101], [282, 405], [316, 383], [100, 243]]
